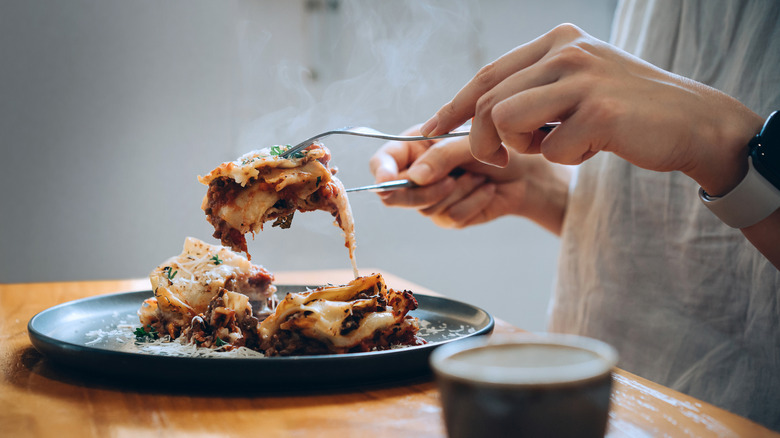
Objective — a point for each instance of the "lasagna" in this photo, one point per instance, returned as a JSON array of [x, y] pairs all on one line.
[[206, 294], [261, 186], [363, 315], [211, 297]]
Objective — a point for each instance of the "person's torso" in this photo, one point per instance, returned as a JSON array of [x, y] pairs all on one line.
[[688, 301]]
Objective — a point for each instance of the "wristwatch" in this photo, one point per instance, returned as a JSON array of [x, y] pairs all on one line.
[[758, 194]]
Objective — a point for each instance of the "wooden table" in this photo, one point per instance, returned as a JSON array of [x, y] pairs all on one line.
[[37, 398]]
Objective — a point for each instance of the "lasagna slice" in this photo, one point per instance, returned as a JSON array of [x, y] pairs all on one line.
[[363, 315], [206, 293], [261, 186]]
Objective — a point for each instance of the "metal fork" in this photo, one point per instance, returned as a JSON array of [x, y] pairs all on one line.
[[385, 186], [399, 183], [364, 131], [405, 183]]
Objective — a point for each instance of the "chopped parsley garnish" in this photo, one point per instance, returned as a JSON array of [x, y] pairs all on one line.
[[279, 150], [170, 272], [142, 334], [220, 342], [319, 181], [216, 259]]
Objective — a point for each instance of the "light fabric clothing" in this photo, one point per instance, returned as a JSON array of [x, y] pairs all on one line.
[[687, 301]]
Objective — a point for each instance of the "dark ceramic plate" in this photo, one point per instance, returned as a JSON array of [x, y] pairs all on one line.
[[66, 334]]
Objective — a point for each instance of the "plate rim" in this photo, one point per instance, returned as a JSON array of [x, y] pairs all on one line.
[[58, 344]]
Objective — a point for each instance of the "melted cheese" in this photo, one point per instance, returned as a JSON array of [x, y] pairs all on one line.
[[347, 223], [247, 211], [246, 167], [331, 315], [263, 176], [324, 311], [186, 283], [239, 303]]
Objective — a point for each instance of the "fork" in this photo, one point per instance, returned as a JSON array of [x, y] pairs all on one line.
[[385, 186], [406, 183], [364, 131], [399, 183]]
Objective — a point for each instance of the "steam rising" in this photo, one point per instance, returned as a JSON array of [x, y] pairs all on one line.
[[386, 64]]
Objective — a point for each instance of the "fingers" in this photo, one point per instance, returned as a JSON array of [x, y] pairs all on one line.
[[439, 160], [462, 106], [517, 118], [463, 187], [579, 136], [466, 206], [384, 164], [500, 119], [498, 123], [485, 142], [420, 197], [394, 157], [431, 171], [475, 209], [574, 141]]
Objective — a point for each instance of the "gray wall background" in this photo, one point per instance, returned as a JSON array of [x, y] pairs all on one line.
[[109, 110]]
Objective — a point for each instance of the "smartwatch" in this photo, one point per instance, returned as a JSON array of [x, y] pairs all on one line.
[[758, 194]]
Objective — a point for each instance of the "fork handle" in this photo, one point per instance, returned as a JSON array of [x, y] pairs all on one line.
[[399, 183], [300, 146], [385, 186], [289, 152]]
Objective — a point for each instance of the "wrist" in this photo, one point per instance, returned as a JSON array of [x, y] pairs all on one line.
[[757, 194], [723, 158]]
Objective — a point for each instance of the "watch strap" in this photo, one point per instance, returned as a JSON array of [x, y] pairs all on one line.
[[750, 202]]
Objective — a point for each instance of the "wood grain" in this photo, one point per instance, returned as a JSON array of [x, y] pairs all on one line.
[[38, 398]]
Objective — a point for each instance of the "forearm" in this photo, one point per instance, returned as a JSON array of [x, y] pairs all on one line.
[[727, 166]]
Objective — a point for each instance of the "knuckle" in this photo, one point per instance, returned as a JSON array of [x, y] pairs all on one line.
[[486, 76], [567, 31], [448, 110], [484, 107], [571, 56], [502, 118], [606, 111]]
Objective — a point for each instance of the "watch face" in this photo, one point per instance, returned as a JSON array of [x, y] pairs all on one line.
[[766, 150]]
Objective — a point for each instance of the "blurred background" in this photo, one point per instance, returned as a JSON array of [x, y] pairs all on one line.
[[109, 110]]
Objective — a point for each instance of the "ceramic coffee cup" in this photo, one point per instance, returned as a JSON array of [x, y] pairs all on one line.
[[528, 385]]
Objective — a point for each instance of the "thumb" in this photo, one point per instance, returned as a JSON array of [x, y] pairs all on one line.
[[384, 167], [439, 160]]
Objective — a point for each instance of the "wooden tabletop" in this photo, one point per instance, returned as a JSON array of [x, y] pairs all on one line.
[[38, 398]]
